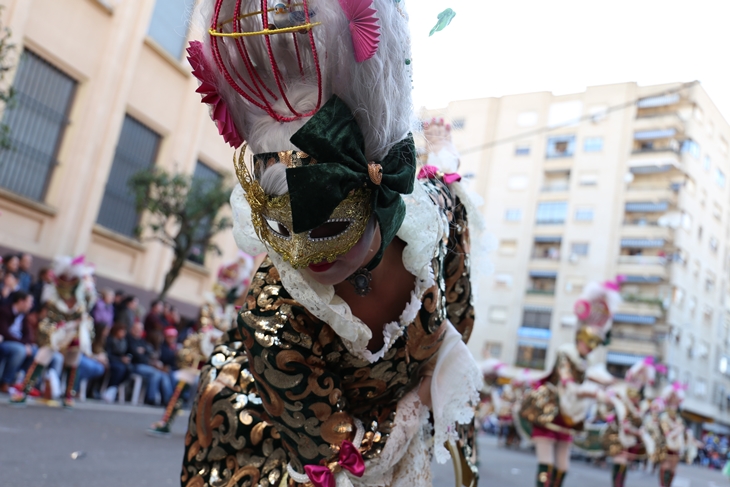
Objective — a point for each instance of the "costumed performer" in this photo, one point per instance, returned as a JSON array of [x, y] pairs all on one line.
[[217, 316], [558, 406], [489, 395], [65, 324], [675, 441], [623, 439], [348, 364]]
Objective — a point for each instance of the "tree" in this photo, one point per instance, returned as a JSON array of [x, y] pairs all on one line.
[[182, 213], [6, 92]]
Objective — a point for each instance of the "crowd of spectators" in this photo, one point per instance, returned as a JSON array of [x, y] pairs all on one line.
[[126, 340]]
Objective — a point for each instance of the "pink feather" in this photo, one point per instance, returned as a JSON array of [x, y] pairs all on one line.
[[364, 28]]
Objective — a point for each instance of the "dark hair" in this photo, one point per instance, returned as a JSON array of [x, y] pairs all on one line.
[[156, 302], [18, 296]]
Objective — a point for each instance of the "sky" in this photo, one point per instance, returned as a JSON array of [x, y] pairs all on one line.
[[501, 47]]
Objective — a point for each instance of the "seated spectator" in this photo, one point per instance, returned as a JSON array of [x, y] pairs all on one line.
[[127, 312], [8, 286], [168, 350], [120, 361], [154, 323], [103, 313], [90, 368], [16, 347], [11, 263], [36, 289], [146, 364], [24, 277]]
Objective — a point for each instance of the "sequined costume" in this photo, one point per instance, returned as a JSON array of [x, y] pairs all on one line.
[[558, 405], [623, 437], [66, 325], [667, 438], [304, 392]]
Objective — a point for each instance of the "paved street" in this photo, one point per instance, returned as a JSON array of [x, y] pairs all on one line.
[[99, 444]]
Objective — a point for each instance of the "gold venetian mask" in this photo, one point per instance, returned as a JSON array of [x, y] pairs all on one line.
[[587, 335], [65, 287], [272, 219]]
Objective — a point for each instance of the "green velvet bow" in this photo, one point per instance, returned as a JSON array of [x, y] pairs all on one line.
[[333, 138]]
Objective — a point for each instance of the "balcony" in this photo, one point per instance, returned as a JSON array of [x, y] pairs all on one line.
[[644, 265], [639, 227], [649, 120], [651, 161], [648, 193], [640, 306], [555, 187], [542, 283]]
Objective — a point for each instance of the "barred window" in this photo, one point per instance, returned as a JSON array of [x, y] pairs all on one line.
[[536, 319], [136, 151], [37, 121], [169, 25], [203, 177]]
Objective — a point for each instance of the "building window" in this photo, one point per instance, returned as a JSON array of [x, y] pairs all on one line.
[[706, 163], [723, 145], [492, 350], [580, 249], [498, 314], [513, 215], [508, 247], [531, 355], [169, 25], [522, 150], [714, 244], [136, 151], [560, 146], [584, 214], [552, 212], [691, 147], [536, 318], [43, 98], [458, 124], [593, 144], [588, 179], [720, 178], [203, 178], [518, 182]]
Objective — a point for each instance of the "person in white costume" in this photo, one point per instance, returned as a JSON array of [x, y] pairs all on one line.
[[65, 325]]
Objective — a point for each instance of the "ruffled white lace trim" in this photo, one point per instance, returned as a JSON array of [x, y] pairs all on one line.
[[406, 459], [481, 242], [422, 230], [455, 388]]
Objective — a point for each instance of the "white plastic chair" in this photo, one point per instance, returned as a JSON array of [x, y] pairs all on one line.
[[137, 389], [81, 393]]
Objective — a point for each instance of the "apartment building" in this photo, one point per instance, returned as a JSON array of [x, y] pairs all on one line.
[[103, 90], [619, 180]]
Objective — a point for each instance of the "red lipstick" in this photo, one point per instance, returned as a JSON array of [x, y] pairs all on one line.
[[321, 267]]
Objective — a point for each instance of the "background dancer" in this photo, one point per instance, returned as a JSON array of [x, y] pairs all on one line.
[[558, 406]]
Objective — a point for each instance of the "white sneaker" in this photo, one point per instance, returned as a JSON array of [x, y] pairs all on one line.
[[110, 394]]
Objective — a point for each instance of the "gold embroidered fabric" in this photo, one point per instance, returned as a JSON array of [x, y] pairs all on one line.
[[284, 389]]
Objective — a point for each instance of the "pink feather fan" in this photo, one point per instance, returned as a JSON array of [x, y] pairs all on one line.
[[364, 27]]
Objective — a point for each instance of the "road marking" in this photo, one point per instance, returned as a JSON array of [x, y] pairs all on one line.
[[681, 482]]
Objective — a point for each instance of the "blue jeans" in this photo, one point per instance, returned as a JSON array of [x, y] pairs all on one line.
[[16, 357], [89, 369], [157, 381]]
